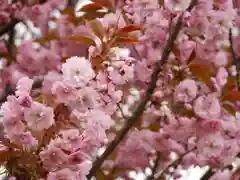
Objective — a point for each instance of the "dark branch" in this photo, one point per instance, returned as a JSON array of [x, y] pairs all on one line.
[[141, 107], [154, 168], [207, 175], [6, 28]]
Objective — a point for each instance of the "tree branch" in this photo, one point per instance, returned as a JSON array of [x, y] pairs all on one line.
[[154, 168], [236, 60], [141, 107], [207, 174], [6, 28]]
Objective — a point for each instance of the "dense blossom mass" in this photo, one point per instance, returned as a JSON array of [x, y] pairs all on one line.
[[122, 87]]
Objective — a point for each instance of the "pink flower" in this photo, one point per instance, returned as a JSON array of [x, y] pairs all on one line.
[[24, 86], [177, 5], [96, 116], [220, 59], [77, 71], [71, 141], [39, 117], [24, 139], [85, 99], [186, 49], [221, 78], [66, 174], [207, 107], [53, 157], [221, 175], [49, 79], [63, 92], [210, 126], [186, 91], [211, 145]]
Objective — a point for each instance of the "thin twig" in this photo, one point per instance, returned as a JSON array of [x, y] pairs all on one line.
[[121, 111], [236, 60], [141, 107], [175, 163], [154, 168]]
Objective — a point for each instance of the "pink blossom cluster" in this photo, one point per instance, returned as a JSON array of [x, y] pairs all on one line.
[[101, 86]]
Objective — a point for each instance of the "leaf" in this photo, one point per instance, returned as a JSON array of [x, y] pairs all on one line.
[[82, 39], [191, 57], [91, 7], [94, 15], [49, 37], [4, 156], [232, 96], [231, 84], [131, 28], [155, 127], [127, 40], [100, 175], [96, 63], [68, 11], [202, 71], [45, 99], [230, 108], [97, 28]]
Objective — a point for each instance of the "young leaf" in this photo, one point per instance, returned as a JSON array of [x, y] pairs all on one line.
[[232, 96], [131, 28], [82, 39], [127, 40], [91, 7], [97, 28], [202, 71], [49, 37]]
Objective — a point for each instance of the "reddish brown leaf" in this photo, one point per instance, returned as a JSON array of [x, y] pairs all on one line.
[[202, 71], [232, 96], [96, 63], [82, 39], [97, 28], [131, 28], [91, 7], [49, 37], [68, 11], [100, 175], [191, 57], [4, 156], [127, 40]]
